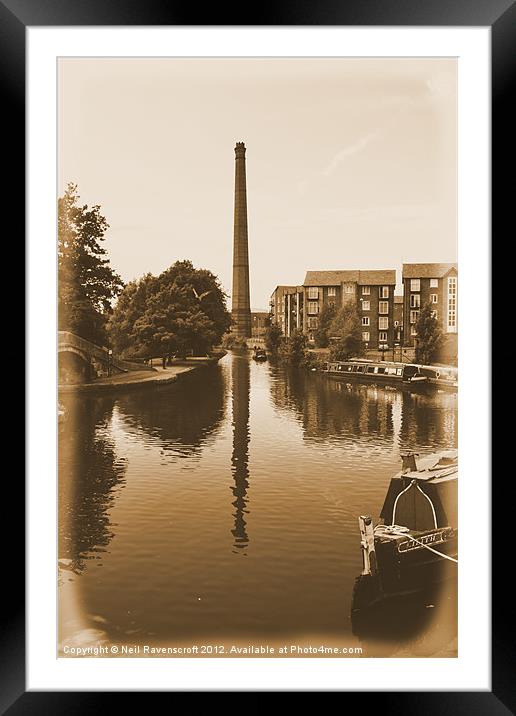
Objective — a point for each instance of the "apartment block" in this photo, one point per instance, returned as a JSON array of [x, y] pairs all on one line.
[[436, 284], [286, 308], [371, 291]]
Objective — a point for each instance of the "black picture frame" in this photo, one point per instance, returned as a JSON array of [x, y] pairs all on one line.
[[15, 17]]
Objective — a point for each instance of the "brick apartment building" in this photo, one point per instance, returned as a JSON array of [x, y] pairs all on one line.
[[286, 308], [436, 284], [371, 291], [259, 323], [398, 318]]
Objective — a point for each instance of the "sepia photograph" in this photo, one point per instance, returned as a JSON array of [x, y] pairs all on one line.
[[258, 320]]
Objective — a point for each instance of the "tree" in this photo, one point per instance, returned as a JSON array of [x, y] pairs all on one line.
[[429, 335], [326, 318], [348, 331], [86, 283], [294, 349], [181, 310], [273, 337]]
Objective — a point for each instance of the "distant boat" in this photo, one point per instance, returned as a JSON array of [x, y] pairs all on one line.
[[415, 545], [259, 355]]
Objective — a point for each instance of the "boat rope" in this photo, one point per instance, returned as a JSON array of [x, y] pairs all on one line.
[[396, 502], [422, 544], [412, 484], [431, 504]]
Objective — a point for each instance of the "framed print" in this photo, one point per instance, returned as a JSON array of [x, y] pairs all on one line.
[[250, 376]]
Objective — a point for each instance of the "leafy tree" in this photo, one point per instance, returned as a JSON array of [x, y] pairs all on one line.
[[273, 337], [231, 341], [326, 317], [86, 282], [181, 310], [429, 335], [294, 349], [348, 331]]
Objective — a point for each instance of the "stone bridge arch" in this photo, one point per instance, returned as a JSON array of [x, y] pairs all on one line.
[[79, 360], [74, 365]]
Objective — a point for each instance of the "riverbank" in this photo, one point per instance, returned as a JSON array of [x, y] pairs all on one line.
[[132, 380]]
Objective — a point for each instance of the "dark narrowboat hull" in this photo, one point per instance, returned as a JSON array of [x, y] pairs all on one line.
[[401, 574], [394, 381]]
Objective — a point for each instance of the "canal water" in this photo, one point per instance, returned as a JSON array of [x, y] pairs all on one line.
[[223, 511]]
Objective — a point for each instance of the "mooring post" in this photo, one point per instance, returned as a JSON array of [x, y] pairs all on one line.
[[367, 543]]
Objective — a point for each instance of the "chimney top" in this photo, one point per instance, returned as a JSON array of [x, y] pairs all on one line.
[[240, 149]]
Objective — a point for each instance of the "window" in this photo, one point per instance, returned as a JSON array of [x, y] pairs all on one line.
[[313, 307], [433, 298], [383, 323], [413, 331], [415, 284], [414, 315], [384, 292], [366, 305], [365, 320], [365, 336], [312, 323], [332, 291], [313, 293], [434, 283], [415, 300], [383, 307], [433, 314], [382, 337], [366, 290], [452, 304], [349, 288]]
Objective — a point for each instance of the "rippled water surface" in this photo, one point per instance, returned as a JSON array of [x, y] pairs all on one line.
[[224, 510]]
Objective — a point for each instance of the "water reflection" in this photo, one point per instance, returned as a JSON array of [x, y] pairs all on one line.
[[179, 418], [154, 487], [90, 474], [328, 408], [240, 389]]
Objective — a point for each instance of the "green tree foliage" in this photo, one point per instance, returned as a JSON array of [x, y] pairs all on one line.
[[273, 337], [294, 349], [180, 311], [326, 318], [347, 329], [429, 335], [86, 283]]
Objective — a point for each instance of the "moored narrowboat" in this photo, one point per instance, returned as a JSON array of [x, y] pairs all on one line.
[[414, 547], [406, 375]]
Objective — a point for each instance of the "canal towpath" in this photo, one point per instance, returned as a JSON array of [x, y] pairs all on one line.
[[158, 376]]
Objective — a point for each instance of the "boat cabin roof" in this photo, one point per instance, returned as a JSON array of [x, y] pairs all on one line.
[[435, 468], [424, 498]]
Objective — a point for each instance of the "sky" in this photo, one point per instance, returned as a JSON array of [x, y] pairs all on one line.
[[351, 163]]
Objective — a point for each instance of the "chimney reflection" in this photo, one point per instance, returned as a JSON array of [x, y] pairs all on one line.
[[240, 384]]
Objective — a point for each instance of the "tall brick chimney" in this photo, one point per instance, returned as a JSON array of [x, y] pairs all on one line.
[[240, 302]]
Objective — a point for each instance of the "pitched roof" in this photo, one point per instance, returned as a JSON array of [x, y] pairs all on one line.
[[285, 288], [364, 278], [427, 270]]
